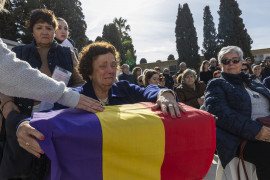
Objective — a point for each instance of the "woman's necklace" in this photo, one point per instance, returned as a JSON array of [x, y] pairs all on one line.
[[104, 102]]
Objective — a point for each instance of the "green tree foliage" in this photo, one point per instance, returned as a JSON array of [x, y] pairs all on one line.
[[186, 38], [110, 33], [19, 13], [71, 11], [99, 39], [209, 35], [170, 57], [231, 29], [122, 27], [128, 48], [143, 61], [8, 27]]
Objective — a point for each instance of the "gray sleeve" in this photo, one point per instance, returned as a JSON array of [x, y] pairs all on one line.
[[18, 79]]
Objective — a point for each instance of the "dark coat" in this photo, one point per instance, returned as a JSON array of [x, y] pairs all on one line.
[[57, 56], [189, 96], [127, 77], [227, 98], [168, 81], [205, 76], [123, 93]]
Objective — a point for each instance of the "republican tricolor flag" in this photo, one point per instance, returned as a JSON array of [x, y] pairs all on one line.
[[127, 142]]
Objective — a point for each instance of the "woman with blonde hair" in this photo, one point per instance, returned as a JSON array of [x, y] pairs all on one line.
[[205, 73]]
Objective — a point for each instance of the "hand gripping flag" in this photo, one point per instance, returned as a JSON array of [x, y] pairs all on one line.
[[127, 142]]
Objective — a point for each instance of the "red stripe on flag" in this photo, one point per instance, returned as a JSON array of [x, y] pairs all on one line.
[[190, 143]]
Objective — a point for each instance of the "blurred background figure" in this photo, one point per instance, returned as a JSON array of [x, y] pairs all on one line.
[[266, 70], [246, 68], [137, 71], [140, 81], [157, 69], [62, 35], [169, 80], [257, 71], [213, 65], [144, 72], [125, 74], [151, 77], [175, 81], [217, 74], [191, 92], [249, 61], [182, 68], [205, 73], [179, 79], [162, 81]]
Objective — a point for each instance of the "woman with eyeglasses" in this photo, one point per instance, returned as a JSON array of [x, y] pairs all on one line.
[[237, 100], [140, 81]]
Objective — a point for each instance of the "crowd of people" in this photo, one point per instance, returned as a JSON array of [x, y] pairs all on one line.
[[234, 90]]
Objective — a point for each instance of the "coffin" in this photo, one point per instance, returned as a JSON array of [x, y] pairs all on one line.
[[127, 142]]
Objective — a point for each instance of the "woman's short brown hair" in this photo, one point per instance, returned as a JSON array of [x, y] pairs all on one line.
[[90, 53], [148, 76], [41, 16]]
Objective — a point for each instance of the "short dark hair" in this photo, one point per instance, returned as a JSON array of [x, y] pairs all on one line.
[[41, 16], [90, 53]]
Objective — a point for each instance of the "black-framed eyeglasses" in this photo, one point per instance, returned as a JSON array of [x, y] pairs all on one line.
[[244, 69], [234, 60]]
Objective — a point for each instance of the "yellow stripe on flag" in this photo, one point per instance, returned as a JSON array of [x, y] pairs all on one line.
[[133, 143]]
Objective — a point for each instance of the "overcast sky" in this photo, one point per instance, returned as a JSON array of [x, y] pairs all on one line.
[[153, 22]]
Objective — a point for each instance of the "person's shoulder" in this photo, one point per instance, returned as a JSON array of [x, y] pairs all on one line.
[[21, 47], [121, 83], [216, 82]]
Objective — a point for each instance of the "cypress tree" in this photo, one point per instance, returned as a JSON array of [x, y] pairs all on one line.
[[110, 33], [209, 35], [231, 29], [186, 38]]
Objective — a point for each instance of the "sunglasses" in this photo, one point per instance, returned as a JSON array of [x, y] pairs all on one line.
[[234, 60], [244, 69]]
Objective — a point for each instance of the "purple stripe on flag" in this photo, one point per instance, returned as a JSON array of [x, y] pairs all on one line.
[[62, 129]]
